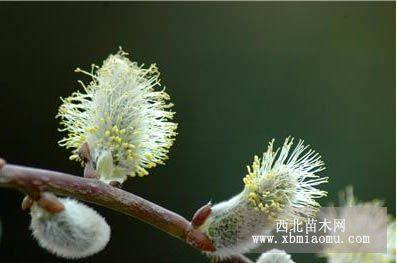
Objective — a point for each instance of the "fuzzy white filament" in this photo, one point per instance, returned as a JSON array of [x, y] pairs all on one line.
[[275, 256], [124, 117], [280, 185], [76, 232]]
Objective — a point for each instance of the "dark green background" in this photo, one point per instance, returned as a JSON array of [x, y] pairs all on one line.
[[238, 73]]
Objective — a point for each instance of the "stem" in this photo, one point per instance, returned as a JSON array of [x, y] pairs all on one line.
[[32, 182]]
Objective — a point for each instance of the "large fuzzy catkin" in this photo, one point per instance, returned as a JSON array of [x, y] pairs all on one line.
[[280, 185], [123, 115], [76, 232]]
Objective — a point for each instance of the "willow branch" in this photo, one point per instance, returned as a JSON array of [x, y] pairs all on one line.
[[32, 182], [238, 259]]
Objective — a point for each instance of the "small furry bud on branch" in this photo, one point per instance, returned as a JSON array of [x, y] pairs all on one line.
[[281, 185], [76, 232], [275, 256], [123, 118]]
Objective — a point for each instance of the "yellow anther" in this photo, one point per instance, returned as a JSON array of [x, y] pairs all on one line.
[[93, 129], [152, 164], [270, 176], [142, 172], [73, 157]]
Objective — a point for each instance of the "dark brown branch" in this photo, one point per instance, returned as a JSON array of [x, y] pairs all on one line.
[[33, 181]]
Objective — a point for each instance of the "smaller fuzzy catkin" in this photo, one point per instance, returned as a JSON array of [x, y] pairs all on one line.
[[275, 256], [357, 223], [280, 185], [76, 232]]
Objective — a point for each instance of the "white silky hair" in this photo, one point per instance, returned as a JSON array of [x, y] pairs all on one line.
[[275, 256], [76, 232], [231, 226]]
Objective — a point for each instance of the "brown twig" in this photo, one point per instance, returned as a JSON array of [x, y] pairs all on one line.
[[34, 182]]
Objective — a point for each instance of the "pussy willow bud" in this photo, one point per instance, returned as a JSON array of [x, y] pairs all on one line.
[[124, 118], [275, 256], [280, 185], [76, 232], [358, 222]]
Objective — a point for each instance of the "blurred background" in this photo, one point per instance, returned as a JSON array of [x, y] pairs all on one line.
[[239, 74]]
